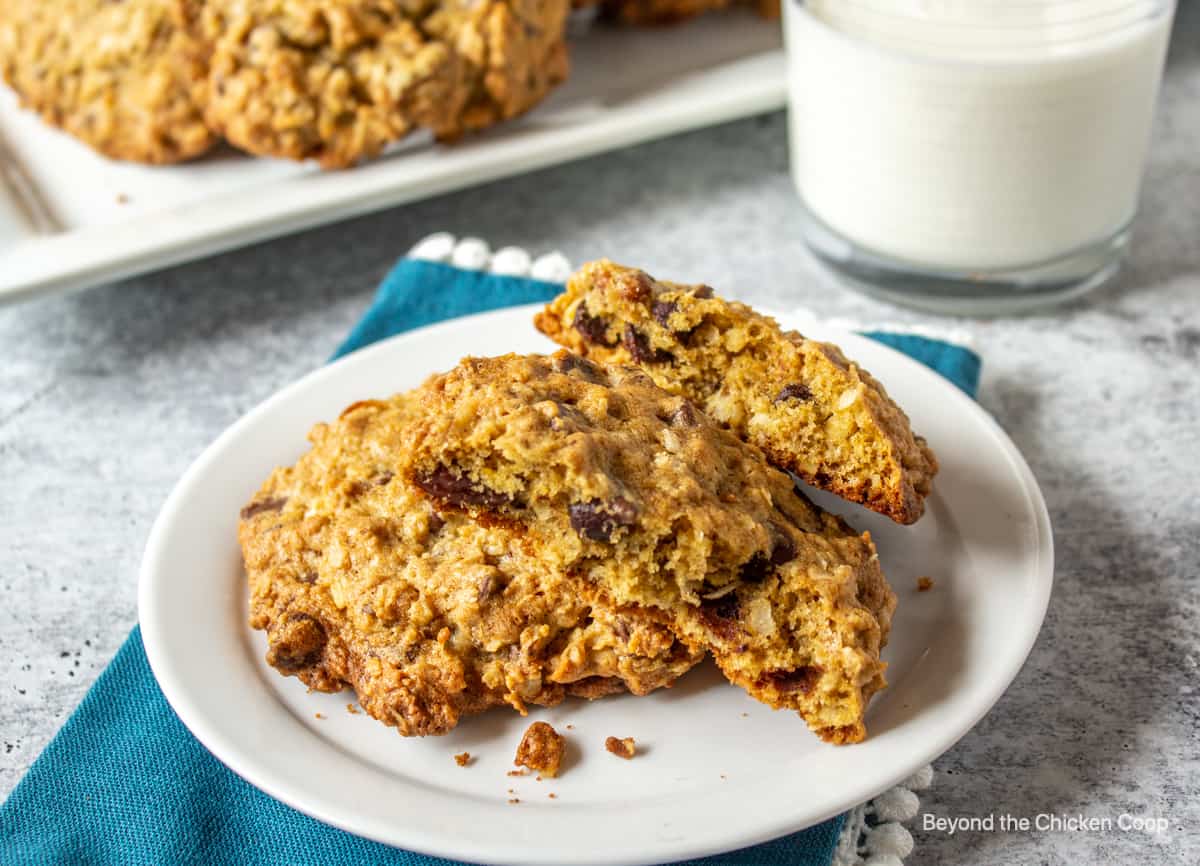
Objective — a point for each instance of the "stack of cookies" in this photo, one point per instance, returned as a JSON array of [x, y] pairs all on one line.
[[524, 528], [163, 81]]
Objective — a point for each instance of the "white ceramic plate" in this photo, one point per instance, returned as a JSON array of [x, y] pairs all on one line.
[[71, 219], [717, 771]]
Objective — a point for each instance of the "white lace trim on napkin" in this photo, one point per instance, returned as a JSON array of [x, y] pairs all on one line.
[[874, 833], [474, 254]]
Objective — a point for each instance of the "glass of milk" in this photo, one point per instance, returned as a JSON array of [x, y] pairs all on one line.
[[972, 156]]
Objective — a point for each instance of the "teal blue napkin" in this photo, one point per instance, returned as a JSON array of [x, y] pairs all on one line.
[[124, 782]]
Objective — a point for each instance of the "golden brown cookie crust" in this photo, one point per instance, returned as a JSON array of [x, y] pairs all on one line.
[[126, 77], [428, 617], [652, 502], [813, 411]]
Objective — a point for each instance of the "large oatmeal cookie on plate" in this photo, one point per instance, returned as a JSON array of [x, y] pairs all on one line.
[[427, 614]]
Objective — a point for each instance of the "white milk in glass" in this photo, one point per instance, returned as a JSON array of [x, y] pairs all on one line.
[[993, 147]]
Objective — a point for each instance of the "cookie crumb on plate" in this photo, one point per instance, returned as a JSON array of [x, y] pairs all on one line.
[[541, 749], [462, 759], [924, 584], [622, 748]]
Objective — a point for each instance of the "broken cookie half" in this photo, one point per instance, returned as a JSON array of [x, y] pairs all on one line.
[[644, 497], [428, 615], [809, 408]]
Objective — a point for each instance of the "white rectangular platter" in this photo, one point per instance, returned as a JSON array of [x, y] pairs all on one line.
[[70, 219]]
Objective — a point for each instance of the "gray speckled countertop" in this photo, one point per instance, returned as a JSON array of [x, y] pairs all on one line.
[[106, 396]]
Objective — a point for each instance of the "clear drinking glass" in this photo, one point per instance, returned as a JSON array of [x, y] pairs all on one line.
[[972, 156]]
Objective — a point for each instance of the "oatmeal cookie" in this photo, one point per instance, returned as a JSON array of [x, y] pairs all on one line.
[[813, 411], [425, 613], [509, 53], [639, 492], [126, 77], [339, 80]]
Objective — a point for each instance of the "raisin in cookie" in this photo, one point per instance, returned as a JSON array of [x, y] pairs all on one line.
[[636, 490], [126, 77], [810, 409], [427, 615]]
